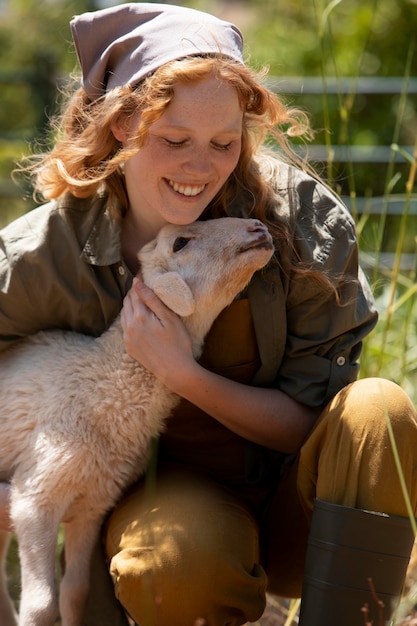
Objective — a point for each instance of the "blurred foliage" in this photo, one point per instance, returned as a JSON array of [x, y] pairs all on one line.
[[336, 37]]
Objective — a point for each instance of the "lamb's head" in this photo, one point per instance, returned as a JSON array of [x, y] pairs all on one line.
[[198, 269]]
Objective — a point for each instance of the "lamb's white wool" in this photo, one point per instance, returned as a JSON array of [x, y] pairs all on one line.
[[77, 413]]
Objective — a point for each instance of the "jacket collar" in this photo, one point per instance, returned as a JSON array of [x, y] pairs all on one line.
[[103, 246]]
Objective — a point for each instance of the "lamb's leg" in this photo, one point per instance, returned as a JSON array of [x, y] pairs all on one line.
[[8, 616], [37, 532], [80, 537]]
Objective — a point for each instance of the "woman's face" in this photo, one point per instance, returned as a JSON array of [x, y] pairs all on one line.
[[189, 154]]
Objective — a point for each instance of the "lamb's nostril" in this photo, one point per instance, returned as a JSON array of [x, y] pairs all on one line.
[[257, 227]]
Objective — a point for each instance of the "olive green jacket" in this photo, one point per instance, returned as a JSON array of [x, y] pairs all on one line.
[[61, 267]]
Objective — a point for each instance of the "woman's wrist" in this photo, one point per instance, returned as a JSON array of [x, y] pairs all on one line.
[[183, 377]]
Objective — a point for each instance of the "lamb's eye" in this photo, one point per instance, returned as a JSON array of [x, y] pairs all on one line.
[[179, 244]]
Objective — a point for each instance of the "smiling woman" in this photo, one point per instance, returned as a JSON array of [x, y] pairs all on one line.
[[169, 125], [189, 154]]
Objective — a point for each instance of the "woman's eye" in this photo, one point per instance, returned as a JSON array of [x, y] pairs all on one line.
[[223, 146], [179, 244], [174, 144]]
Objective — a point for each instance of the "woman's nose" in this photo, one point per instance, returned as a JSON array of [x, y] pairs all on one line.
[[198, 161]]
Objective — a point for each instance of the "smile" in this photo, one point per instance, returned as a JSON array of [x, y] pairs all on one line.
[[186, 190]]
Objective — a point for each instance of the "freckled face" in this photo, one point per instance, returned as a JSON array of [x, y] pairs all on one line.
[[189, 154]]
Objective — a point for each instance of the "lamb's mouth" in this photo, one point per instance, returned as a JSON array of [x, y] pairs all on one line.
[[263, 242], [185, 189]]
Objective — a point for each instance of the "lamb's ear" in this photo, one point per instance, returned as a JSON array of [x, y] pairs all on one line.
[[175, 293]]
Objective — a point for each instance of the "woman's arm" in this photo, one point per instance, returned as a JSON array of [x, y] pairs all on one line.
[[157, 338]]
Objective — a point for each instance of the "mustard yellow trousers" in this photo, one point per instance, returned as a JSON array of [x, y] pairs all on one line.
[[186, 551]]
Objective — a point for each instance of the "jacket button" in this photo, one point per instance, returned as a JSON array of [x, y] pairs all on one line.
[[340, 360]]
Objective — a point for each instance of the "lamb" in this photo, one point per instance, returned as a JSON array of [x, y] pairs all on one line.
[[77, 413]]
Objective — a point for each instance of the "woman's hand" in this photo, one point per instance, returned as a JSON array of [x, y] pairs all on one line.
[[154, 335]]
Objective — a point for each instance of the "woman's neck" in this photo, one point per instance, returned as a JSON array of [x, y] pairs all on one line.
[[135, 234]]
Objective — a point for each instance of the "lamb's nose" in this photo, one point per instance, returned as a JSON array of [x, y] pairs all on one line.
[[257, 227]]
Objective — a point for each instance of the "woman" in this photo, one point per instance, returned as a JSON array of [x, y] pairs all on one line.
[[276, 452]]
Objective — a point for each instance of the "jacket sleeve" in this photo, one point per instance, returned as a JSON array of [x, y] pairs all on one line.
[[46, 283], [324, 329]]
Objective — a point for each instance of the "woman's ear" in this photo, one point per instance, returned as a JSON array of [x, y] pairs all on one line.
[[124, 128], [120, 131]]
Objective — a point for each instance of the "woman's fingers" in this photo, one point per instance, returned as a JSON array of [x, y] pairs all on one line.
[[153, 334]]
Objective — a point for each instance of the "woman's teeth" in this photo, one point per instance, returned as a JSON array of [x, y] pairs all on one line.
[[186, 190]]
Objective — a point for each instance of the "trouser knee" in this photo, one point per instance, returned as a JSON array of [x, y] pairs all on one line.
[[189, 558], [377, 399], [362, 448]]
